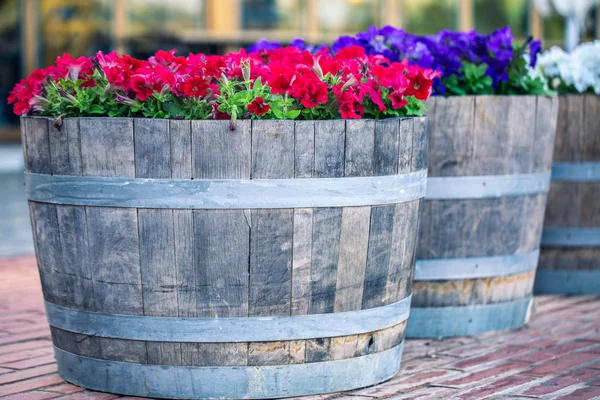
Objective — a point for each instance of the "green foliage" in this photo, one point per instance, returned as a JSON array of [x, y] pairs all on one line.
[[473, 79]]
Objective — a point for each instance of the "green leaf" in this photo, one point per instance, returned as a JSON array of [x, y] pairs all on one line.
[[293, 114], [96, 109], [278, 113]]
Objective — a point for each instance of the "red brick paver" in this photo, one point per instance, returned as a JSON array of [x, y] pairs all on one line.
[[557, 356]]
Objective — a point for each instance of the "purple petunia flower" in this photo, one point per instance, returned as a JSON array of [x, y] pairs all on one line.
[[264, 44], [535, 47]]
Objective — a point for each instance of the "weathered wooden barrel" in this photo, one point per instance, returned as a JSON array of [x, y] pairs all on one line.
[[489, 172], [570, 257], [181, 259]]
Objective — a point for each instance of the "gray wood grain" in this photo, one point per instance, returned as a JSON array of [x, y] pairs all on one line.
[[329, 149], [113, 246], [420, 146], [490, 227], [405, 145], [360, 142], [75, 266], [270, 263], [567, 146], [451, 129], [107, 147], [490, 136], [48, 252], [304, 147], [222, 354], [218, 152], [84, 345], [221, 258], [152, 148], [71, 128], [352, 261], [301, 262], [59, 149], [272, 149], [521, 133], [37, 145], [545, 131], [590, 134], [403, 250], [385, 150], [181, 149], [378, 259], [327, 223]]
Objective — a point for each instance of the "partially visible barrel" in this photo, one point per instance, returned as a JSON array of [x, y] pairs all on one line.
[[570, 258], [181, 259], [489, 172]]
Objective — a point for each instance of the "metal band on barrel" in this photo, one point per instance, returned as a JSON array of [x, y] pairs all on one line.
[[434, 322], [571, 237], [576, 172], [567, 282], [226, 193], [225, 330], [252, 382], [475, 267], [486, 186]]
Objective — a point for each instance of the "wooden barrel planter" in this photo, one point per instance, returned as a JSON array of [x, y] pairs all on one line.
[[489, 172], [184, 260], [570, 257]]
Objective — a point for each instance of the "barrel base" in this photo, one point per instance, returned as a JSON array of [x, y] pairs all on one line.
[[257, 382], [567, 282], [436, 322]]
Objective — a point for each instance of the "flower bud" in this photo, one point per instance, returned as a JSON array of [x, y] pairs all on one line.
[[246, 70]]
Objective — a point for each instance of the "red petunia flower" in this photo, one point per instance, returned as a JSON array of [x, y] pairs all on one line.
[[421, 81], [71, 68], [280, 78], [398, 100], [195, 86], [308, 89], [350, 107], [259, 107]]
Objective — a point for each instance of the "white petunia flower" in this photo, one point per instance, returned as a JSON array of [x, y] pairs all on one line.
[[579, 70]]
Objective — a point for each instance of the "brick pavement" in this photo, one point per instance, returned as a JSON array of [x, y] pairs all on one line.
[[557, 356]]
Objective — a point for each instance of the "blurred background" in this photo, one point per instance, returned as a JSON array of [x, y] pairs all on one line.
[[34, 32]]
